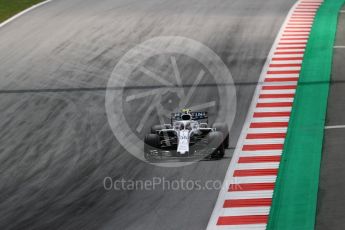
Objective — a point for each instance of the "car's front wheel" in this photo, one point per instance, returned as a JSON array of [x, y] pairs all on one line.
[[151, 146], [224, 129], [216, 144]]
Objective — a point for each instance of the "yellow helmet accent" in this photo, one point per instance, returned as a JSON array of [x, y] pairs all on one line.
[[186, 110]]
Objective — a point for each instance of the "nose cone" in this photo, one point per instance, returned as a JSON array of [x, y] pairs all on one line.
[[183, 142]]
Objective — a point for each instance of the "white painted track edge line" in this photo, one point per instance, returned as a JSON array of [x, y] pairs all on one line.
[[254, 179], [249, 166], [339, 47], [212, 224], [243, 227], [335, 127], [23, 12], [243, 211], [238, 195]]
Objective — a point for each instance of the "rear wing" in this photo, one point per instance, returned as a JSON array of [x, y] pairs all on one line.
[[195, 116]]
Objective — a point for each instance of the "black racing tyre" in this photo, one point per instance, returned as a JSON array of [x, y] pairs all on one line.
[[155, 128], [216, 143], [151, 142], [221, 150], [223, 128]]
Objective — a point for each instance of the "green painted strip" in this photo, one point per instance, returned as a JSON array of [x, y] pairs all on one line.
[[295, 194]]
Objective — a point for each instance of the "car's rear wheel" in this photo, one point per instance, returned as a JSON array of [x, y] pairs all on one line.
[[155, 128]]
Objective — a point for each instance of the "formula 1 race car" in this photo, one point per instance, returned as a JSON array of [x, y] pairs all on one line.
[[188, 136]]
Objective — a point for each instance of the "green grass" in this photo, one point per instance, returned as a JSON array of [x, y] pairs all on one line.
[[8, 8]]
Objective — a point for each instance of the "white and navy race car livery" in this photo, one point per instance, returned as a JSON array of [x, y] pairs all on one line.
[[188, 135]]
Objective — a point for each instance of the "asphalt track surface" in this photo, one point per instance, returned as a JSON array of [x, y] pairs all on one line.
[[56, 143], [331, 202]]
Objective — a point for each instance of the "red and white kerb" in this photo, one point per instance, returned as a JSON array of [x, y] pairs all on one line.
[[245, 201]]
